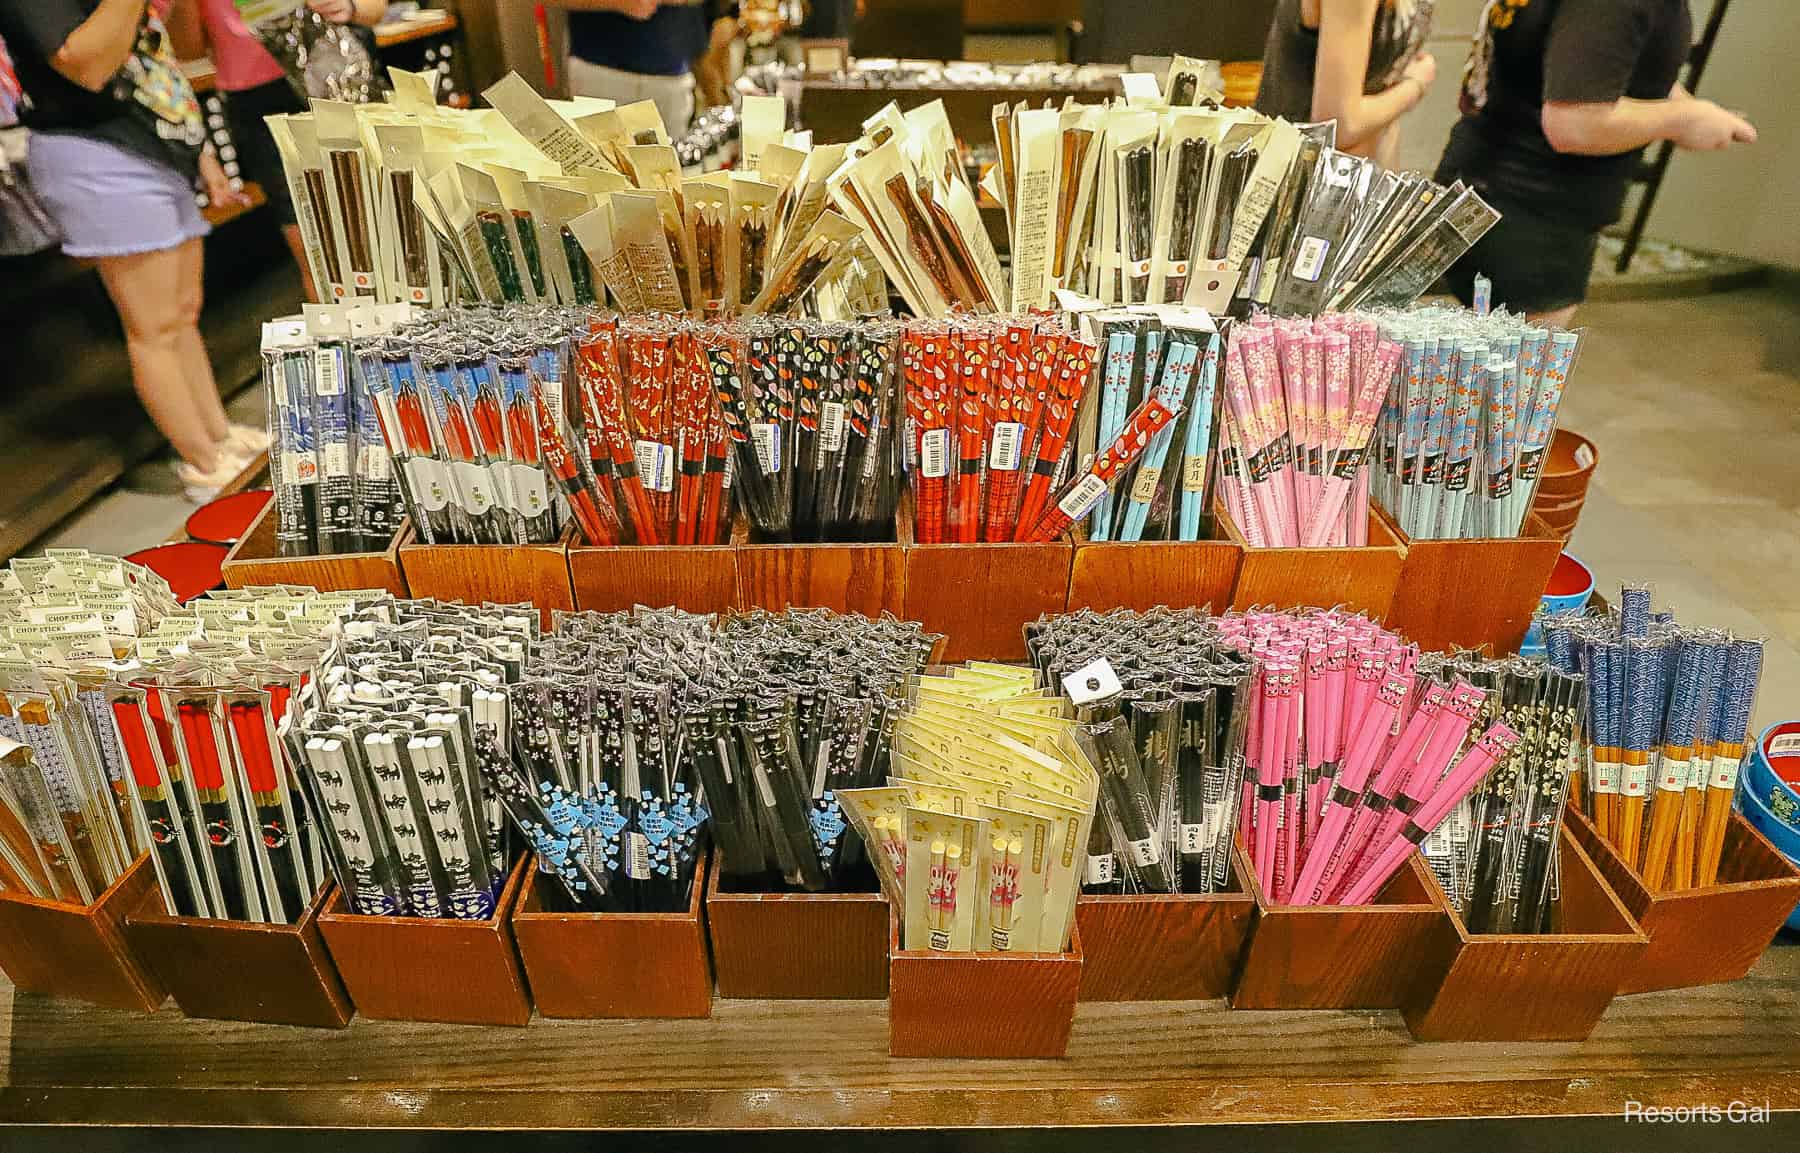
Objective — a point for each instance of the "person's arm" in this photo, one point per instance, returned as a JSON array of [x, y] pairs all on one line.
[[187, 30], [1589, 58], [368, 13], [1345, 29], [98, 47]]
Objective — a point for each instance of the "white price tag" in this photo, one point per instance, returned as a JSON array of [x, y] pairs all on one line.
[[934, 453], [429, 482], [1193, 838], [766, 439], [1606, 777], [831, 426], [1081, 499], [337, 459], [1100, 869], [1009, 437], [1145, 852], [1094, 682], [325, 372], [1309, 260], [1193, 474], [656, 465], [1724, 772], [530, 490], [1672, 776], [476, 486], [373, 462], [1636, 781]]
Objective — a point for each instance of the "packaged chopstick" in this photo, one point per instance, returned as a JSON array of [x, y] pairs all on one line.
[[985, 817], [1167, 726], [1666, 723], [1301, 401], [1468, 420]]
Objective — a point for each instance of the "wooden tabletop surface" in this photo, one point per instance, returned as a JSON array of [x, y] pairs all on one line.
[[809, 1064]]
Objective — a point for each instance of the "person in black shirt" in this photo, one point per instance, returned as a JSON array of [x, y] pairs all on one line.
[[117, 144], [1559, 100], [631, 50]]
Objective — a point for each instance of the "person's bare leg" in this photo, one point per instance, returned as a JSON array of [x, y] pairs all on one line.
[[196, 365], [291, 233], [146, 289], [1558, 319]]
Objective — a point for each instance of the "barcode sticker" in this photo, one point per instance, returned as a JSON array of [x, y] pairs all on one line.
[[1437, 842], [1009, 437], [911, 441], [1083, 497], [766, 438], [1100, 869], [325, 372], [831, 426], [934, 453], [730, 470], [1193, 474], [656, 466], [1309, 260], [1784, 745], [1143, 489]]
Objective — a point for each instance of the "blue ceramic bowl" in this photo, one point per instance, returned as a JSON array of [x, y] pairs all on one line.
[[1571, 585], [1782, 835], [1767, 776]]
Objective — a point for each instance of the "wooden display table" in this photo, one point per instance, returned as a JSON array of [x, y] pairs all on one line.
[[813, 1064]]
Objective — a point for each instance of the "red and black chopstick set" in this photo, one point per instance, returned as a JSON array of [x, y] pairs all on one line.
[[990, 406]]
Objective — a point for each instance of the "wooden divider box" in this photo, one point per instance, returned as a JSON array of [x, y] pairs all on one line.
[[1363, 579], [431, 969], [255, 560], [501, 573], [981, 1004], [241, 971], [593, 965], [981, 596], [1469, 593], [1705, 935], [698, 578], [1341, 956], [865, 577], [81, 951], [784, 946], [1529, 986], [1163, 946], [1141, 575]]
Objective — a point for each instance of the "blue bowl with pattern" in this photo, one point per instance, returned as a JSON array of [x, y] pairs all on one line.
[[1770, 802]]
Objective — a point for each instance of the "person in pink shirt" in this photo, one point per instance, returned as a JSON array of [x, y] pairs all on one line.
[[255, 86]]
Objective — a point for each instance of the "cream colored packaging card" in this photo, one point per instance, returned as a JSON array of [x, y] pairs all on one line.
[[638, 233], [1032, 222], [1064, 865], [760, 121], [301, 170], [713, 243], [495, 231], [879, 818], [947, 853], [413, 91], [447, 190], [1021, 853], [352, 195], [594, 232], [539, 123], [522, 229], [797, 273], [883, 182], [806, 197], [753, 219], [552, 207], [656, 167], [643, 123]]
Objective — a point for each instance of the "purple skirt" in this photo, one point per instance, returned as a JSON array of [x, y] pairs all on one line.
[[109, 201]]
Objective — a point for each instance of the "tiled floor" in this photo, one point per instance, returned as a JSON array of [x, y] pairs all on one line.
[[1694, 404], [1695, 408]]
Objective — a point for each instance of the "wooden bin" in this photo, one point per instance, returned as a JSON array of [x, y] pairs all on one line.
[[698, 578], [981, 1004], [501, 573], [1145, 574], [1164, 947], [1470, 593], [981, 596], [594, 965], [254, 560], [1530, 986], [797, 945], [1706, 935], [1338, 956], [864, 577], [431, 969], [239, 971], [1363, 579], [81, 951]]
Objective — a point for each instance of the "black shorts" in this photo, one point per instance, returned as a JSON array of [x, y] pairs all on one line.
[[258, 158], [1536, 264]]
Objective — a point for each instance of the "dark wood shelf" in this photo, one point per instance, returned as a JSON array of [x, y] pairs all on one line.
[[766, 1065]]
